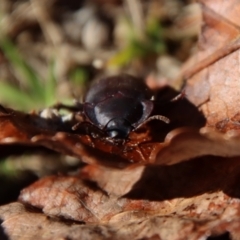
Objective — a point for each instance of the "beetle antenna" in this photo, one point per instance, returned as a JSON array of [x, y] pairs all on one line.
[[155, 117]]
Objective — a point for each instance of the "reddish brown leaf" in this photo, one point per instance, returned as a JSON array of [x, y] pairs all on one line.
[[199, 198], [32, 129], [152, 191], [179, 145], [20, 223]]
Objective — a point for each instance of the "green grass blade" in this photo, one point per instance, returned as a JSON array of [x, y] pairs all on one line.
[[14, 97], [29, 75], [50, 86]]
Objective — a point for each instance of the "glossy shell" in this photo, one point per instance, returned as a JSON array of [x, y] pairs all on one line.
[[119, 97]]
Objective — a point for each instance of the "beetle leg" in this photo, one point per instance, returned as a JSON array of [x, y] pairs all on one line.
[[76, 126], [77, 107], [115, 140], [181, 95], [155, 117], [89, 129], [86, 126]]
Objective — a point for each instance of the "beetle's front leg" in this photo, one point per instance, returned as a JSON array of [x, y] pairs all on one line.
[[181, 95], [89, 129]]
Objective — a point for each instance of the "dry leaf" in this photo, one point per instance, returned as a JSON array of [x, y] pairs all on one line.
[[99, 194], [179, 145], [29, 225], [213, 74], [199, 197]]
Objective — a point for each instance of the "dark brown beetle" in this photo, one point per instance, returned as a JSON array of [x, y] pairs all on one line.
[[118, 105]]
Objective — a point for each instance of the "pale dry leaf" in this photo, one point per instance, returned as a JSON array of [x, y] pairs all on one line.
[[20, 223], [199, 198], [213, 74], [182, 189]]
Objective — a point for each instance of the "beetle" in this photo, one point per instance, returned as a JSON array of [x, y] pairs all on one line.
[[118, 105]]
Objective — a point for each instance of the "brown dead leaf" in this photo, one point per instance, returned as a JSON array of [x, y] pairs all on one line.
[[28, 225], [31, 129], [213, 73], [71, 198], [199, 198], [178, 145], [150, 191], [21, 223]]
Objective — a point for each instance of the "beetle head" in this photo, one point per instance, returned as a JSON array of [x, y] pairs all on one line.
[[118, 128]]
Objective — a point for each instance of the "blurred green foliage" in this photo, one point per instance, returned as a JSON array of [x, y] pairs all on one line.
[[79, 76], [152, 43], [32, 92]]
